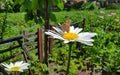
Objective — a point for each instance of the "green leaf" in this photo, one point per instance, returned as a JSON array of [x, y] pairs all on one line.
[[52, 17], [65, 1], [52, 2], [19, 1], [41, 5], [60, 4], [28, 4], [118, 70], [34, 4], [22, 8]]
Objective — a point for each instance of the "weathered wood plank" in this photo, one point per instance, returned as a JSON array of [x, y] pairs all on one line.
[[9, 49], [10, 57], [40, 46], [10, 39]]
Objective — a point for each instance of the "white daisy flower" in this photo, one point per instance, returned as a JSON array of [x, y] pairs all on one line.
[[17, 66], [73, 35]]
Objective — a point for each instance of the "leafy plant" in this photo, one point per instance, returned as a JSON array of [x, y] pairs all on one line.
[[89, 6], [35, 8], [38, 67], [113, 6]]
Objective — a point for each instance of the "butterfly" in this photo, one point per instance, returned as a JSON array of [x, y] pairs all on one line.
[[66, 25]]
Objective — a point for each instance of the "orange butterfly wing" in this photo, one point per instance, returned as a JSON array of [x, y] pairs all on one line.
[[66, 25]]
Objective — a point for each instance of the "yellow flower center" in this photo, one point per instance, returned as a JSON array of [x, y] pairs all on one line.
[[70, 36], [15, 68]]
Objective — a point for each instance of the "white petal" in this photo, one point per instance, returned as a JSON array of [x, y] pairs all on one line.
[[77, 30], [6, 65], [86, 38], [66, 41], [7, 69], [54, 32], [18, 63], [54, 35], [86, 42], [87, 34], [71, 28], [21, 70], [11, 65], [25, 65], [58, 30]]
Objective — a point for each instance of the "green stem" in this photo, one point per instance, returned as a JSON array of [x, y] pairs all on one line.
[[69, 56], [13, 73]]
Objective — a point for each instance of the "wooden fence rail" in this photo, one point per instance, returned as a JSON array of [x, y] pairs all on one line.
[[23, 43]]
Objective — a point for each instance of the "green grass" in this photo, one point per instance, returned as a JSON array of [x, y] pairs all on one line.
[[16, 24], [79, 15]]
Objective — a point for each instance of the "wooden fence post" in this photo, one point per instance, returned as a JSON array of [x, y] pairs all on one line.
[[46, 27], [40, 45], [25, 36], [50, 41], [25, 52]]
